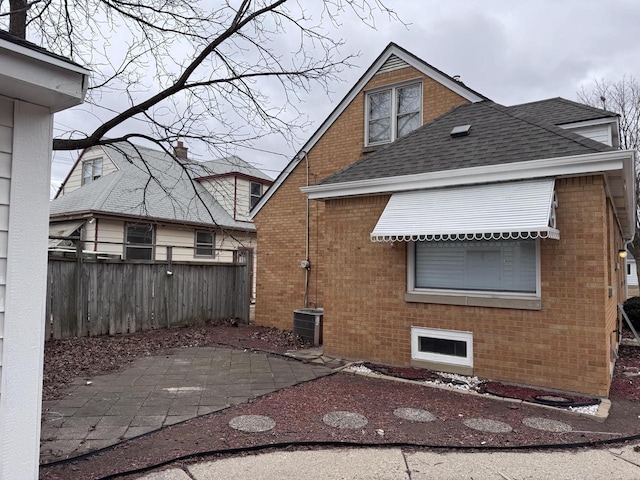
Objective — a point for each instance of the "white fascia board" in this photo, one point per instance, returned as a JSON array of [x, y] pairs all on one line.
[[589, 123], [41, 57], [37, 78], [550, 167], [452, 85], [346, 101]]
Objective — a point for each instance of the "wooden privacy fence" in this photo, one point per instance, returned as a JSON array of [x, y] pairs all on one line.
[[87, 298]]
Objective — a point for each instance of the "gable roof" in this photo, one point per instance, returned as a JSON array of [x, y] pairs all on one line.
[[392, 53], [560, 111], [161, 189], [498, 135]]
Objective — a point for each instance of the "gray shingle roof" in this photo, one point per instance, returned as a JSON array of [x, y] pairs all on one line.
[[497, 136], [559, 111], [161, 189]]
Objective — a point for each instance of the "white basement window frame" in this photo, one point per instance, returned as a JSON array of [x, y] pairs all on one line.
[[420, 350], [391, 113]]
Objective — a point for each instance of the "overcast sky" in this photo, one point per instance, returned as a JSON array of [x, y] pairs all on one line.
[[510, 51]]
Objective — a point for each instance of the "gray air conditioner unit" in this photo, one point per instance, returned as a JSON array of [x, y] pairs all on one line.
[[307, 323]]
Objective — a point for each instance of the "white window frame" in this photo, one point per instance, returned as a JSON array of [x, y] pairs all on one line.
[[139, 246], [455, 335], [412, 289], [211, 245], [92, 177], [252, 196], [394, 113]]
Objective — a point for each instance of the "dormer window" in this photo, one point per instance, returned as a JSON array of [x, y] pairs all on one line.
[[91, 170], [393, 112], [256, 193]]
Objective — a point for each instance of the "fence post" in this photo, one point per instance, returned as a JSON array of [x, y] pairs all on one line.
[[78, 291], [168, 290]]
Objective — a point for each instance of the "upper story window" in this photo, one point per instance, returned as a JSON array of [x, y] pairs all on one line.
[[393, 112], [255, 194], [91, 170], [139, 241], [204, 244]]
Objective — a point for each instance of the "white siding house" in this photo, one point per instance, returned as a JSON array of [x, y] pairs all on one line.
[[199, 209], [33, 85]]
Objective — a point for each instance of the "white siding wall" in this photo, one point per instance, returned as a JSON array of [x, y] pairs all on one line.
[[223, 191], [599, 133], [25, 289], [632, 275], [6, 135], [107, 231], [75, 178], [242, 199]]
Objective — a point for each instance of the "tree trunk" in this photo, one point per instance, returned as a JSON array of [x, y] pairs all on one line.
[[18, 18]]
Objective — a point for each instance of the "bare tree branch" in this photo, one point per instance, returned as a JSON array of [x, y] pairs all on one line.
[[622, 97]]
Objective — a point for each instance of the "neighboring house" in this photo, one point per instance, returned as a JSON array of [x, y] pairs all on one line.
[[632, 277], [125, 208], [34, 84], [484, 242]]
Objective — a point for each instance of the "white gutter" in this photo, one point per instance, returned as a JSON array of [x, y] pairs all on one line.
[[548, 167]]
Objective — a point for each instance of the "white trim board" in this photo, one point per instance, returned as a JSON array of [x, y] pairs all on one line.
[[548, 167]]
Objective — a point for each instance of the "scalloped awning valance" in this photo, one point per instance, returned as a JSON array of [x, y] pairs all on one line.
[[497, 211]]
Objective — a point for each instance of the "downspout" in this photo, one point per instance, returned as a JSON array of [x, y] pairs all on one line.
[[306, 263]]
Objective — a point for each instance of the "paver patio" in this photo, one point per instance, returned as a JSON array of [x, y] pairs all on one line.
[[159, 391]]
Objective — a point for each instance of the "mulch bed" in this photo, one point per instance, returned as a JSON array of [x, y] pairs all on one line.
[[626, 377], [298, 413]]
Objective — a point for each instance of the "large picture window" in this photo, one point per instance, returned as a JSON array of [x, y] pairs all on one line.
[[91, 170], [492, 265], [393, 113], [139, 239]]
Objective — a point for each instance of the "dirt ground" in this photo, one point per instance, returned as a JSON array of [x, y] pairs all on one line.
[[298, 410]]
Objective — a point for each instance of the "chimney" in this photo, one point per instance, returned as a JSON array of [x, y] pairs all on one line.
[[180, 151]]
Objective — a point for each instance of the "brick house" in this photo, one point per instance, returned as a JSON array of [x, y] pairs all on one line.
[[483, 242]]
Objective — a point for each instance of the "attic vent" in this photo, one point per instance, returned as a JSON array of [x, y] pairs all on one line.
[[392, 63], [460, 131]]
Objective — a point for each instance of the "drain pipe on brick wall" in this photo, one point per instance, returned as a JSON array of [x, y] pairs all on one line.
[[306, 264]]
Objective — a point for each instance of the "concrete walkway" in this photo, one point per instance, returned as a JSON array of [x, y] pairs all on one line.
[[158, 391], [396, 464]]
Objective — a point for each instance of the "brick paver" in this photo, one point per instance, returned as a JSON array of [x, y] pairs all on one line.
[[159, 391]]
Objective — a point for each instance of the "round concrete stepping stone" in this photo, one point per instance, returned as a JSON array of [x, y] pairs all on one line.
[[414, 414], [547, 425], [252, 423], [486, 425], [345, 420]]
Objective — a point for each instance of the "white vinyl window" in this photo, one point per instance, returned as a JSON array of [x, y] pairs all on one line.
[[204, 244], [139, 239], [91, 170], [256, 193], [393, 112], [443, 346], [505, 266]]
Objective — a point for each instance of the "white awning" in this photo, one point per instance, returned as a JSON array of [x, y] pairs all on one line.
[[511, 210], [62, 229]]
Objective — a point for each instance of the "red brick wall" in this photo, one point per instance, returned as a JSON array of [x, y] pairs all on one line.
[[565, 345], [281, 222]]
